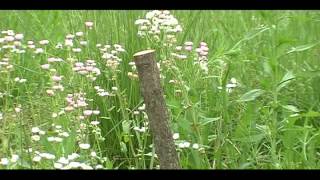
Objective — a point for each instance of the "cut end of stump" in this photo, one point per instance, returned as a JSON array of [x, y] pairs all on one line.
[[141, 53]]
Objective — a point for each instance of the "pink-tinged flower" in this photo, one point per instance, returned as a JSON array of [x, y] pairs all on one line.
[[18, 36], [203, 44], [50, 92], [87, 112], [188, 48], [69, 108], [188, 43], [45, 66], [89, 24], [96, 112], [56, 78], [44, 42], [204, 48], [203, 53], [79, 34]]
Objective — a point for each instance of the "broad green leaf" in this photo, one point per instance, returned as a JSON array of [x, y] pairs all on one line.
[[267, 68], [172, 103], [237, 47], [123, 147], [252, 138], [206, 120], [291, 108], [245, 165], [312, 114], [251, 95], [287, 78], [126, 126], [126, 138], [253, 34], [302, 47], [108, 163]]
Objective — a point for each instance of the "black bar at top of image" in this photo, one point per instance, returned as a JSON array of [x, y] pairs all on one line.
[[161, 4]]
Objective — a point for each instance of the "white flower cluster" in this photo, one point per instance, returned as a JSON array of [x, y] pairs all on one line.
[[39, 50], [20, 80], [101, 92], [183, 51], [11, 42], [159, 24], [233, 83], [96, 130], [71, 162], [39, 156], [37, 133], [56, 79], [133, 74], [111, 55], [203, 56], [5, 65], [89, 24], [5, 161], [76, 100], [141, 110], [88, 69], [183, 144], [59, 134]]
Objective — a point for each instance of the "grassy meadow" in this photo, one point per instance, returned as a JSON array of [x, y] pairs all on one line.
[[241, 87]]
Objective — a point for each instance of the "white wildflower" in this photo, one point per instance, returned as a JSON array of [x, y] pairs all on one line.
[[57, 165], [195, 146], [4, 161], [44, 42], [35, 130], [73, 156], [95, 123], [36, 158], [93, 154], [84, 146], [176, 136], [87, 112], [63, 160], [79, 34], [14, 158], [35, 138]]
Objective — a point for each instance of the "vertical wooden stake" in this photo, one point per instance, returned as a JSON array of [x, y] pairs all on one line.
[[152, 92]]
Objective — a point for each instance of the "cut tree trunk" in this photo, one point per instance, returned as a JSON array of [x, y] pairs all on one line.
[[152, 92]]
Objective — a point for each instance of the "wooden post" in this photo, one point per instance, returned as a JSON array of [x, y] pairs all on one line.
[[152, 92]]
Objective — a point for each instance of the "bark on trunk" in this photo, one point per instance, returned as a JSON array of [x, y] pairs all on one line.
[[152, 92]]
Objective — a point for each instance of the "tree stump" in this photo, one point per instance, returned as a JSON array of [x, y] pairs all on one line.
[[152, 92]]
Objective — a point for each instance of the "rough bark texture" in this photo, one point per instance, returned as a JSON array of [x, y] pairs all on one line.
[[152, 92]]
